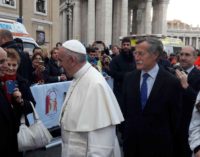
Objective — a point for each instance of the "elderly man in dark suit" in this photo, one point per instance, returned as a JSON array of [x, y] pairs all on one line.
[[152, 99], [190, 81]]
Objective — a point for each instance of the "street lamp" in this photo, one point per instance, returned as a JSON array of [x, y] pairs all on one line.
[[69, 11]]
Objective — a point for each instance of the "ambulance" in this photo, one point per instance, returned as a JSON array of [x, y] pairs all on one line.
[[19, 31], [171, 45]]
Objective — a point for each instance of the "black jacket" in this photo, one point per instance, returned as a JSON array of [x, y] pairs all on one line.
[[119, 66], [9, 128], [152, 131], [189, 98], [53, 71]]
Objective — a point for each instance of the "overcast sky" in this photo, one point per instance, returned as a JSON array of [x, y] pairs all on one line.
[[187, 11]]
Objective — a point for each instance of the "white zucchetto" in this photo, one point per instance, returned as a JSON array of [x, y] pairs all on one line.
[[75, 46]]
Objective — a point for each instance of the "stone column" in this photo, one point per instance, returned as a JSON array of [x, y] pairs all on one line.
[[197, 42], [190, 41], [76, 21], [134, 21], [148, 17], [91, 22], [129, 21], [159, 23], [104, 21], [116, 21], [64, 25], [108, 21], [141, 18], [61, 26], [184, 40], [124, 18], [84, 22]]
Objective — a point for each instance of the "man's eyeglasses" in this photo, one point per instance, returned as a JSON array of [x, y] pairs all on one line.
[[139, 53]]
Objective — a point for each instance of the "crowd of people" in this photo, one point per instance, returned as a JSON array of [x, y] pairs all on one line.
[[153, 109]]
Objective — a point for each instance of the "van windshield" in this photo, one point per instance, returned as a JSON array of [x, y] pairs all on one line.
[[28, 47], [172, 49]]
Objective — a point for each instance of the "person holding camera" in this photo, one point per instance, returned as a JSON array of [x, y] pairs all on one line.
[[189, 77], [39, 72], [105, 65]]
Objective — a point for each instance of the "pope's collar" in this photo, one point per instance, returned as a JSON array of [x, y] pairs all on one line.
[[81, 71]]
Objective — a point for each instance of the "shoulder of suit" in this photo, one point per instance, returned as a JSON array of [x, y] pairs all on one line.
[[133, 73], [166, 74]]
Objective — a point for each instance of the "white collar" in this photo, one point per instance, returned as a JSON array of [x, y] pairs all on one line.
[[153, 72], [190, 69], [81, 71]]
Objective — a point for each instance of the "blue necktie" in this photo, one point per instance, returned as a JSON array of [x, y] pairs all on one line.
[[143, 90]]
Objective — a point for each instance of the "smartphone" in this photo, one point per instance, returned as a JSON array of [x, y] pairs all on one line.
[[11, 85], [41, 63]]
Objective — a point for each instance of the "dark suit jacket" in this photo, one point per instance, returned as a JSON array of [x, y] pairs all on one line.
[[189, 97], [9, 129], [151, 132]]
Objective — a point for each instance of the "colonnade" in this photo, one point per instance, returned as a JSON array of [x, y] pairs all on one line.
[[107, 20]]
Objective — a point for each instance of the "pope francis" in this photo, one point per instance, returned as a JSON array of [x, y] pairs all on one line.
[[90, 111]]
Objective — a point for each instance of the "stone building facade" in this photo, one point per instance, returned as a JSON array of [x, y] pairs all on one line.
[[38, 16], [107, 20], [188, 34]]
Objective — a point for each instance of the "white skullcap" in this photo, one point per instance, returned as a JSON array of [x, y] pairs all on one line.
[[75, 46]]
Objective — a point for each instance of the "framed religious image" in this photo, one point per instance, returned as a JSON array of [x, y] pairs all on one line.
[[40, 37]]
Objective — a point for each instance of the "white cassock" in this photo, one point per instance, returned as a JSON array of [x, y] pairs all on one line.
[[89, 116], [194, 129]]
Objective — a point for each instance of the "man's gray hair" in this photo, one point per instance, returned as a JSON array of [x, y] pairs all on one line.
[[155, 47], [194, 51], [80, 57]]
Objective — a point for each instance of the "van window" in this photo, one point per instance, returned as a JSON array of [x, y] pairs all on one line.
[[28, 47]]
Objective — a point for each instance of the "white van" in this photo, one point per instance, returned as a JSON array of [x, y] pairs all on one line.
[[171, 45], [19, 31]]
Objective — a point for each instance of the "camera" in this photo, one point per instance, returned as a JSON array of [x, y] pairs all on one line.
[[173, 69], [41, 63]]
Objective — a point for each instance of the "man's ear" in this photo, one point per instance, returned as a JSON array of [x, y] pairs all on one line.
[[156, 56], [73, 60]]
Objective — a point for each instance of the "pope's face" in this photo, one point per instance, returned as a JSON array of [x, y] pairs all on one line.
[[65, 61]]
